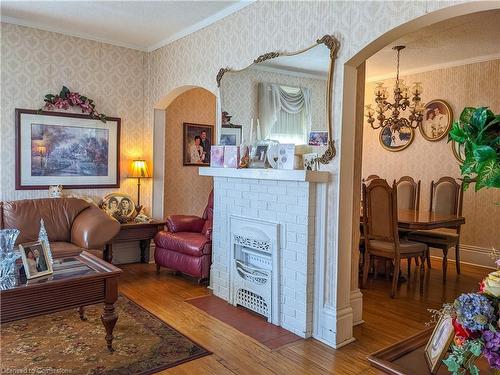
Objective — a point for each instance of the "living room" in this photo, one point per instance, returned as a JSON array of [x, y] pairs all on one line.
[[167, 95]]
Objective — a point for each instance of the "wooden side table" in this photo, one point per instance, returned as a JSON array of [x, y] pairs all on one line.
[[142, 232]]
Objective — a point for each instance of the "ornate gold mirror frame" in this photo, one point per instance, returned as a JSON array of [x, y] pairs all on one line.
[[333, 45]]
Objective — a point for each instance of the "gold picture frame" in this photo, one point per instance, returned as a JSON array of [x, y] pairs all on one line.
[[393, 142], [458, 151], [436, 127], [114, 205], [35, 259], [439, 342]]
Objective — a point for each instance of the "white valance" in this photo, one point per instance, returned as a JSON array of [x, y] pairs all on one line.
[[284, 112]]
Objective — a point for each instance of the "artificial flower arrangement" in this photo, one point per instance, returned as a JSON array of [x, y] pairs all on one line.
[[67, 98], [476, 322]]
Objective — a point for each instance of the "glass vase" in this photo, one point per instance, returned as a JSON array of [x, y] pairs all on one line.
[[8, 257]]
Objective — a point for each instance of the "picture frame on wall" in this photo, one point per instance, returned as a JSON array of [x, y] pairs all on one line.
[[438, 117], [230, 135], [458, 151], [196, 144], [69, 149], [396, 140]]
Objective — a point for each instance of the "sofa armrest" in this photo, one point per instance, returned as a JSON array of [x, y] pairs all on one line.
[[207, 229], [185, 223], [93, 228]]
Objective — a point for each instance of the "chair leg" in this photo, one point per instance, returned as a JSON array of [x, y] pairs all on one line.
[[409, 266], [457, 257], [422, 270], [365, 270], [395, 277], [428, 257], [157, 268], [445, 263]]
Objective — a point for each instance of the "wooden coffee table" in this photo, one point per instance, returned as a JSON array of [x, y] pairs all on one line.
[[77, 281]]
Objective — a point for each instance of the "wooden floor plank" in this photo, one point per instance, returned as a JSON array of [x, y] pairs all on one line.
[[386, 321]]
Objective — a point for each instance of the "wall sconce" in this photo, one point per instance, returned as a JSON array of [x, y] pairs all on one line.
[[139, 170]]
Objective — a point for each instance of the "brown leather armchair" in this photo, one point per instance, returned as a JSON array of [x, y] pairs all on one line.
[[186, 245], [72, 225]]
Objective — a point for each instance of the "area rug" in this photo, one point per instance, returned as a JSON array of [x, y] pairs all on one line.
[[245, 321], [61, 343]]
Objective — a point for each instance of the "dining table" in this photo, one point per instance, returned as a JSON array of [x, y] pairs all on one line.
[[410, 219]]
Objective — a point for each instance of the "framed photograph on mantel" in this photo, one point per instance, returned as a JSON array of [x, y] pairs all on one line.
[[70, 149]]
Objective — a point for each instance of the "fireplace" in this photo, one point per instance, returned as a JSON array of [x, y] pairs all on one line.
[[254, 267]]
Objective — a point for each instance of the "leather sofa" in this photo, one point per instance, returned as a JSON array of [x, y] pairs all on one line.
[[186, 245], [72, 224]]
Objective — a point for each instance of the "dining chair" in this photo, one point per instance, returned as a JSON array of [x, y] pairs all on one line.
[[408, 193], [447, 199], [380, 223], [370, 177]]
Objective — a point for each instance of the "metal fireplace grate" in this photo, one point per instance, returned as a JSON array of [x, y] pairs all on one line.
[[252, 301]]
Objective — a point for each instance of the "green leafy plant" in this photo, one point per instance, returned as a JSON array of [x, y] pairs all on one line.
[[478, 130]]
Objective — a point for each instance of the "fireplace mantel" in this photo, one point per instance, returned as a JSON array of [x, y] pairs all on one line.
[[267, 174]]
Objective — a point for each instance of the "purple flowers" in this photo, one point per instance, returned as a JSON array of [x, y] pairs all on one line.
[[491, 349], [474, 311]]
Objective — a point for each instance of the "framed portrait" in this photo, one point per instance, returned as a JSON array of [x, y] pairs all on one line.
[[258, 155], [318, 138], [438, 117], [458, 151], [230, 135], [438, 344], [70, 149], [118, 205], [35, 259], [197, 141], [396, 140]]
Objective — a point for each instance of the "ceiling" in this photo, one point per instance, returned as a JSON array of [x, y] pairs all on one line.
[[142, 25], [466, 39]]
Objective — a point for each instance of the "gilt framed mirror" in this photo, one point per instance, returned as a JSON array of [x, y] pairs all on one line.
[[284, 96]]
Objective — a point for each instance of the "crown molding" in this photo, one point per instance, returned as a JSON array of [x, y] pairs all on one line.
[[202, 24], [182, 33], [39, 26], [428, 68]]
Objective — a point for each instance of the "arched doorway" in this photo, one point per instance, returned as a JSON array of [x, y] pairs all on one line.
[[351, 144], [178, 188]]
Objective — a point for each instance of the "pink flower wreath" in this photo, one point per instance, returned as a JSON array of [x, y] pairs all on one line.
[[67, 99]]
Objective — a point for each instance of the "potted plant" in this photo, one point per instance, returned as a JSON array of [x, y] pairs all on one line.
[[478, 130]]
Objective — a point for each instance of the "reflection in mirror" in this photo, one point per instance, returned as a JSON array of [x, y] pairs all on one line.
[[285, 96]]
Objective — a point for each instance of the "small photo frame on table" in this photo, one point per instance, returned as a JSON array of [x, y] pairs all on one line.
[[118, 205], [70, 149], [35, 259], [438, 344], [437, 120], [230, 135], [196, 144]]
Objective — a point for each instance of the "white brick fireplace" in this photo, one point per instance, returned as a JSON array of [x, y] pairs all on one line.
[[284, 209]]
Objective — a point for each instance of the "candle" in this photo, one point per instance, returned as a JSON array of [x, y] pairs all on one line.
[[251, 131], [258, 130]]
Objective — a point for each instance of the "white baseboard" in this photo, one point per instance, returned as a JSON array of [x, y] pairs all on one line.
[[357, 306], [473, 255]]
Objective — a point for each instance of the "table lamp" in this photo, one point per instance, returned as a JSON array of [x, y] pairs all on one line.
[[139, 170]]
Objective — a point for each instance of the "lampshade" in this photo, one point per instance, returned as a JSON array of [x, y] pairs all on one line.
[[139, 169]]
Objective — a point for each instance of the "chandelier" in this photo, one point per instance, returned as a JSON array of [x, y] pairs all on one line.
[[394, 120]]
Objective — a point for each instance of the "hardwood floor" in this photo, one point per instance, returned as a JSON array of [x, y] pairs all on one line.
[[386, 321]]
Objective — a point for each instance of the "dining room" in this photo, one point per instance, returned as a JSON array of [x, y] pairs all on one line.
[[429, 214]]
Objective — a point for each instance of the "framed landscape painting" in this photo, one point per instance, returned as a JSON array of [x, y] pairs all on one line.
[[70, 149]]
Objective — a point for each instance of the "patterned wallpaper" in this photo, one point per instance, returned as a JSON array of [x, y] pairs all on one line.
[[185, 191], [35, 63], [467, 85], [239, 95]]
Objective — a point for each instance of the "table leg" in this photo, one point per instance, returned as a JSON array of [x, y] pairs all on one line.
[[144, 246], [81, 312], [109, 316], [108, 253]]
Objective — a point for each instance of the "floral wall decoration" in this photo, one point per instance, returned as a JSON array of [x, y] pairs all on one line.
[[67, 98]]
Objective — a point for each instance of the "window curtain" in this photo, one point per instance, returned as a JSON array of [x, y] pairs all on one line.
[[285, 113]]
